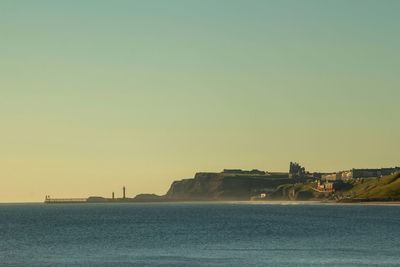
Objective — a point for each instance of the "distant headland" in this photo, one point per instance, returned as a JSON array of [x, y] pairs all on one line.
[[354, 185]]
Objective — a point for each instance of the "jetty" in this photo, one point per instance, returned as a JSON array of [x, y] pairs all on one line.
[[91, 199], [49, 200]]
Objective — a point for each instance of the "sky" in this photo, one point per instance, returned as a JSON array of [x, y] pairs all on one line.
[[95, 95]]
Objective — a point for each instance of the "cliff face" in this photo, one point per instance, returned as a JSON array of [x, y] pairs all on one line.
[[223, 186]]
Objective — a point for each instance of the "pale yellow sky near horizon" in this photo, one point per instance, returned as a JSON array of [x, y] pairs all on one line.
[[95, 95]]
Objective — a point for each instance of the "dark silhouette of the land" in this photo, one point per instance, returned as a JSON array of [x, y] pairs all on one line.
[[297, 184]]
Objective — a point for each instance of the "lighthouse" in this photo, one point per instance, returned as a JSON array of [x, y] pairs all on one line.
[[123, 192]]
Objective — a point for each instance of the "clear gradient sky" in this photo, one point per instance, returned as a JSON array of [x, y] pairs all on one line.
[[99, 94]]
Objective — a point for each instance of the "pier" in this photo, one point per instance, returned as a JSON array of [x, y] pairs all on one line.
[[49, 200], [91, 199]]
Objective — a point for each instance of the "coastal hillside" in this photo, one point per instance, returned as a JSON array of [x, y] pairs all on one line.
[[246, 186], [237, 184], [225, 186], [384, 188]]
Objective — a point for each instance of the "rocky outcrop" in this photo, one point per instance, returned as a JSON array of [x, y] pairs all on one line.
[[148, 198]]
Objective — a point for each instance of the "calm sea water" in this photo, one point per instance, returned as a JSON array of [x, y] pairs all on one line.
[[201, 234]]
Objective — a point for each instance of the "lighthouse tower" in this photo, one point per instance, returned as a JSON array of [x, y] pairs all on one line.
[[123, 192]]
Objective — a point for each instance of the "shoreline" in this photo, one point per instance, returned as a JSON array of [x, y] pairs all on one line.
[[235, 202]]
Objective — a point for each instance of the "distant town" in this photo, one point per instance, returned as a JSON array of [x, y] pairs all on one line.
[[354, 185]]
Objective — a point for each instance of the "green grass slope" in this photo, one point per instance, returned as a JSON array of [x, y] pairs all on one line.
[[387, 187]]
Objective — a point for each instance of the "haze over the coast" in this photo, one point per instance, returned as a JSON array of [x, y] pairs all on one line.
[[95, 95]]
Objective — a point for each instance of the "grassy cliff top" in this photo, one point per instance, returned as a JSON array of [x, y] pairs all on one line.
[[380, 188]]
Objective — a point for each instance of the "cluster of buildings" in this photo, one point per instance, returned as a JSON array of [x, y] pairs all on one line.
[[359, 173], [329, 181], [325, 186], [325, 182]]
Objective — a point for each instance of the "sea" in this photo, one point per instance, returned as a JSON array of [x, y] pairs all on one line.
[[199, 234]]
